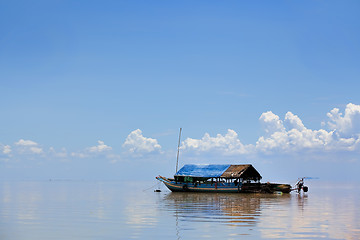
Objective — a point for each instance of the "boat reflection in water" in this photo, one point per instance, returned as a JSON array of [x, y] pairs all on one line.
[[225, 208]]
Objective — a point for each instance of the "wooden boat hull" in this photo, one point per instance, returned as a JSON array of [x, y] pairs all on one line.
[[224, 187]]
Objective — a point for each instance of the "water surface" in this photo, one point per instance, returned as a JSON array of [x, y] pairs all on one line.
[[123, 210]]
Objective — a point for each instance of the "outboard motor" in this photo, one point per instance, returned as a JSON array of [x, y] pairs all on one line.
[[300, 186]]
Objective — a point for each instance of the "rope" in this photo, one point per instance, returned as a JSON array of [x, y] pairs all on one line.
[[151, 187]]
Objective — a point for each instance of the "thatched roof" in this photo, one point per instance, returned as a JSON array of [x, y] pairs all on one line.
[[245, 171]]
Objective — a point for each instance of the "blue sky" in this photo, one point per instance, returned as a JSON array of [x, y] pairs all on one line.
[[98, 90]]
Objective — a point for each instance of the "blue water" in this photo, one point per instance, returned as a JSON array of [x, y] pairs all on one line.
[[123, 210]]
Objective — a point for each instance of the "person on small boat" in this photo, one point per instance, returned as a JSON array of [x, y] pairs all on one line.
[[300, 185]]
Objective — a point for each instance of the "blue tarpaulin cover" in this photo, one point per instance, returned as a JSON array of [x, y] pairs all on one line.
[[203, 170]]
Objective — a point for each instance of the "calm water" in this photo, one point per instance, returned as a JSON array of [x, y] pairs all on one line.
[[120, 210]]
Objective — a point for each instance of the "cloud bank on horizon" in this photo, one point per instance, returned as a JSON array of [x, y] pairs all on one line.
[[289, 135], [341, 133]]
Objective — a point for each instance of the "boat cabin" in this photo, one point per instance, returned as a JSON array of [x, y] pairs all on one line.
[[209, 173]]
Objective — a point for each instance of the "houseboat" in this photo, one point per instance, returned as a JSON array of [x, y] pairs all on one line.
[[222, 178]]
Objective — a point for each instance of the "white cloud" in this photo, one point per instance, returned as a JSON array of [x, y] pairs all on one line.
[[36, 150], [271, 122], [101, 147], [289, 135], [228, 144], [340, 133], [95, 151], [137, 143], [113, 158], [23, 142], [28, 147], [295, 140], [6, 149], [293, 122], [347, 125], [79, 155], [62, 154]]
